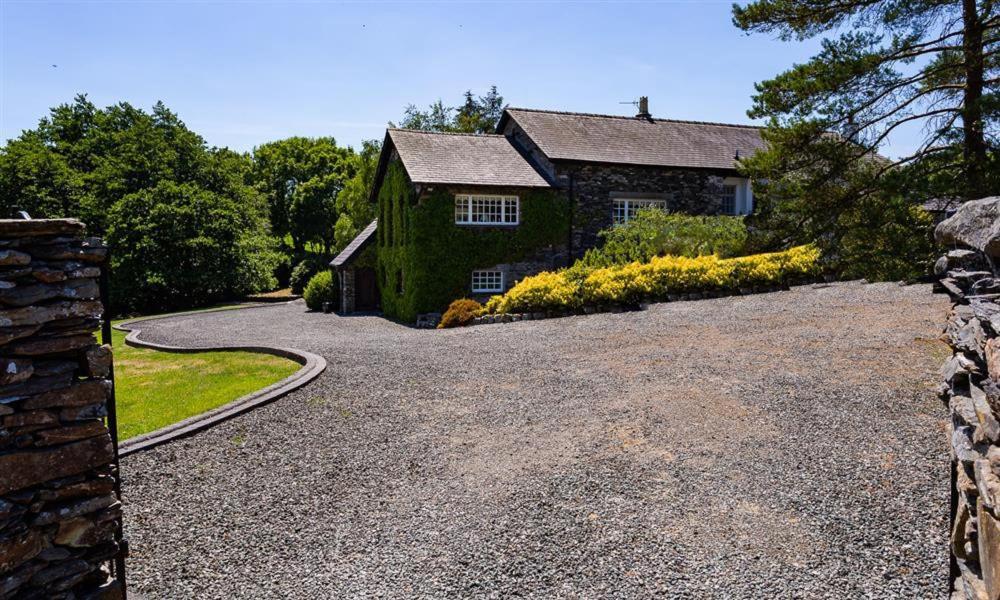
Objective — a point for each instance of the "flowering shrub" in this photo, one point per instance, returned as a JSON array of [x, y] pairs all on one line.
[[549, 290], [654, 280], [460, 313]]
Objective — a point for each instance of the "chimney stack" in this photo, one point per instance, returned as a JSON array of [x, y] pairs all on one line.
[[643, 108]]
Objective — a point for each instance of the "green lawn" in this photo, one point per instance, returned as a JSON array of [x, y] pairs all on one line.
[[154, 389]]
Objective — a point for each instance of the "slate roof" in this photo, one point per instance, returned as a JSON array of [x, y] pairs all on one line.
[[356, 246], [463, 159], [634, 141]]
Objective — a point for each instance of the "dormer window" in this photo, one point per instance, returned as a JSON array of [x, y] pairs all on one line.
[[482, 209]]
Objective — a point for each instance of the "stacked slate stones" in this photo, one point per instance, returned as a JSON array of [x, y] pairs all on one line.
[[59, 513], [968, 273]]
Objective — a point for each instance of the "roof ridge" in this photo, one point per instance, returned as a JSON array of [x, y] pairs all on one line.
[[455, 133], [654, 119]]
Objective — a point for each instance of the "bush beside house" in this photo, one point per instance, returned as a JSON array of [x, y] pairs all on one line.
[[655, 280], [460, 313], [654, 232], [321, 288]]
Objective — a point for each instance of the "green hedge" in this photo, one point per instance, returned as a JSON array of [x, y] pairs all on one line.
[[422, 248], [654, 232], [321, 288]]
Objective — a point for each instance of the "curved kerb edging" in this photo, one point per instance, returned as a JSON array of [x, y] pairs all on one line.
[[312, 366]]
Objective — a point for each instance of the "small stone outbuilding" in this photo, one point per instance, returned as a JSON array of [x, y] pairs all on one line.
[[355, 267]]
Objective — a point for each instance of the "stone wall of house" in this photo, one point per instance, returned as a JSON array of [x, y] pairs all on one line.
[[594, 185], [690, 191], [345, 276], [59, 513], [971, 388]]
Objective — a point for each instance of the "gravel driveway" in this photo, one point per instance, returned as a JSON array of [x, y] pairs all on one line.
[[786, 445]]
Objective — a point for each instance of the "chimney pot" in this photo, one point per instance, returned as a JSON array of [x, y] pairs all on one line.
[[643, 108]]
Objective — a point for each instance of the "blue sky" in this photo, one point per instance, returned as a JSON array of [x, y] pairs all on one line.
[[241, 73]]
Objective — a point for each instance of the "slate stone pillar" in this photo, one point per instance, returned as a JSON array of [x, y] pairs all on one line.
[[347, 292], [59, 512]]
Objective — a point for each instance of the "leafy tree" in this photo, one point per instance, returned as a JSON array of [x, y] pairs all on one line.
[[477, 114], [480, 115], [153, 188], [313, 212], [281, 167], [931, 63], [437, 117], [181, 245], [81, 160], [354, 206], [887, 65], [36, 179]]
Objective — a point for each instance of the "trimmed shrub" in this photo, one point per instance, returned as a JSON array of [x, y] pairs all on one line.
[[654, 232], [460, 313], [320, 289], [655, 280]]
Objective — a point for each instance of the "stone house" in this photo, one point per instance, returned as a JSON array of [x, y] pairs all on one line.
[[469, 215]]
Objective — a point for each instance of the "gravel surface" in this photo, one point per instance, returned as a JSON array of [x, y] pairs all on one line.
[[785, 445]]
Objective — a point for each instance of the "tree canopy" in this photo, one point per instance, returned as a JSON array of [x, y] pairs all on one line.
[[177, 245], [282, 167], [315, 188], [476, 114], [888, 64], [885, 66], [354, 207], [80, 160], [184, 224]]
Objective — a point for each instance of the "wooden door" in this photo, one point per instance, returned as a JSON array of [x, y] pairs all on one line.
[[366, 297]]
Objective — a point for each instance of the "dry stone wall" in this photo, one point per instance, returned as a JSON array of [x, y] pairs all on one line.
[[59, 512], [971, 388]]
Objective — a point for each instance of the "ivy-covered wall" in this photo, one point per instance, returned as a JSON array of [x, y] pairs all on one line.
[[425, 260]]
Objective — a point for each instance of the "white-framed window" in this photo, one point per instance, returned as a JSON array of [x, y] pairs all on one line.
[[487, 281], [737, 196], [483, 209], [729, 198], [624, 210]]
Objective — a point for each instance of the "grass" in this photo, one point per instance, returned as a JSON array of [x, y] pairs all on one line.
[[154, 389], [282, 293]]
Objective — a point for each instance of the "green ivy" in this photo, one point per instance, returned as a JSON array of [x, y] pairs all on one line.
[[436, 257]]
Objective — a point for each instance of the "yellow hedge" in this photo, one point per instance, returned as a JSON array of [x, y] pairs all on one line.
[[654, 280]]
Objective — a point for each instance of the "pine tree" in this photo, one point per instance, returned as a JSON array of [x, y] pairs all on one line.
[[885, 66]]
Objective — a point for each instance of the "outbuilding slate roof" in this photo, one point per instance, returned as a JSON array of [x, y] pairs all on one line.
[[636, 141], [463, 159], [356, 246]]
